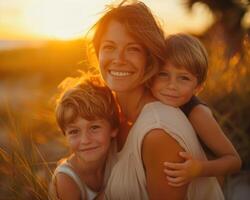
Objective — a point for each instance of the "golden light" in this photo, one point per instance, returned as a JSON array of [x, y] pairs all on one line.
[[61, 19], [69, 19]]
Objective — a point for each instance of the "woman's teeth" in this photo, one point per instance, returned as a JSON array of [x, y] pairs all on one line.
[[116, 73]]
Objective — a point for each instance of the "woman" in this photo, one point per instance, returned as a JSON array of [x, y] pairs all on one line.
[[130, 47]]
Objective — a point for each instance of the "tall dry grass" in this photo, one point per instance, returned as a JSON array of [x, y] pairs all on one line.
[[30, 147], [227, 91]]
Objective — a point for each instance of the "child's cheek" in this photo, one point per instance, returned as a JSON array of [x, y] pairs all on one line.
[[72, 143], [153, 85]]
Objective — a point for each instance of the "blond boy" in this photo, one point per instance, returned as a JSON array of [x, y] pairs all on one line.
[[177, 84], [87, 114]]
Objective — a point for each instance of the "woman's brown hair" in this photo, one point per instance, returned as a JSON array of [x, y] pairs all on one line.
[[142, 25]]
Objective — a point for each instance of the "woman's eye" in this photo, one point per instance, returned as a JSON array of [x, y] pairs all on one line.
[[163, 74], [108, 47], [134, 48]]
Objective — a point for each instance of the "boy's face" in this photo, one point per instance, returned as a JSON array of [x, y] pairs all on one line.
[[90, 140], [174, 86]]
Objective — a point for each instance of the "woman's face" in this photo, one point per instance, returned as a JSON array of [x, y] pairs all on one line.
[[122, 59]]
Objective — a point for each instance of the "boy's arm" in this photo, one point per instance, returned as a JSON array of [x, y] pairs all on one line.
[[211, 134], [66, 187], [158, 147]]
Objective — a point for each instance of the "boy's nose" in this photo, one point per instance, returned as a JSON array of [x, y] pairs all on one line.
[[172, 84], [85, 138]]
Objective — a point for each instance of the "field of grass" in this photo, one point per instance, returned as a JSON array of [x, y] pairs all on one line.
[[31, 144]]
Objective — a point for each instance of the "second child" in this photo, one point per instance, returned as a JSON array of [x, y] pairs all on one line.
[[177, 84]]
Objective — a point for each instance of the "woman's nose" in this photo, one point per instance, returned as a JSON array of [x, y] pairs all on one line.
[[119, 57]]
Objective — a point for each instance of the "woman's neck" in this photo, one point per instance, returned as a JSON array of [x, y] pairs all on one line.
[[129, 104], [132, 102]]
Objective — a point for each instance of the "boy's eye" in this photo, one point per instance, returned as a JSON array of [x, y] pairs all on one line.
[[185, 78], [73, 132], [95, 127]]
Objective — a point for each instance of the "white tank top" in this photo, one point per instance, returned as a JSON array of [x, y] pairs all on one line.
[[86, 193], [128, 178], [66, 168]]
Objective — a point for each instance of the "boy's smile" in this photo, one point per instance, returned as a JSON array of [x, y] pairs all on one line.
[[89, 140]]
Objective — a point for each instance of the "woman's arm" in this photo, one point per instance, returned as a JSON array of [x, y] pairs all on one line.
[[211, 134], [158, 146]]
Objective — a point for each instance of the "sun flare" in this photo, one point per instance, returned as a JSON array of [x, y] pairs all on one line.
[[62, 19], [70, 19]]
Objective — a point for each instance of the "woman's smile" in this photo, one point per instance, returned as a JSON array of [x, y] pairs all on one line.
[[120, 73], [122, 59]]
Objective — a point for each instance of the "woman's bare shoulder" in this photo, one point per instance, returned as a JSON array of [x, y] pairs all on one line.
[[159, 147], [160, 142]]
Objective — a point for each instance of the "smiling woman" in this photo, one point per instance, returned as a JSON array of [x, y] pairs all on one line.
[[60, 19]]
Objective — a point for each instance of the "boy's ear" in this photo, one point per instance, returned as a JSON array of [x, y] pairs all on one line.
[[114, 132], [198, 89]]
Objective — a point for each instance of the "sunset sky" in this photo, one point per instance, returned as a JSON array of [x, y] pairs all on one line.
[[68, 19]]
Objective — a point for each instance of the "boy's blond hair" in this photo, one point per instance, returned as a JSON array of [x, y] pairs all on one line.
[[86, 97], [183, 50]]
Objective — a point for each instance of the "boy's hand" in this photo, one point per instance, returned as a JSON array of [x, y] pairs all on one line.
[[179, 174]]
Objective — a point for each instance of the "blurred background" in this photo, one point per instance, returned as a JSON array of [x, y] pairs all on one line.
[[42, 42]]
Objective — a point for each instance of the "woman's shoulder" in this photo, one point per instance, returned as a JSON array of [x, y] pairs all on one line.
[[158, 115], [170, 121], [165, 122], [157, 112], [160, 108], [154, 147], [162, 139]]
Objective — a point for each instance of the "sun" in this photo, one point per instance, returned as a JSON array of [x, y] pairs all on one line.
[[62, 19]]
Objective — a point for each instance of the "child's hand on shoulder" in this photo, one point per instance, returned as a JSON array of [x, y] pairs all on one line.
[[179, 174]]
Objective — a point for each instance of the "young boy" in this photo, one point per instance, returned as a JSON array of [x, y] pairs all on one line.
[[87, 115], [177, 83]]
